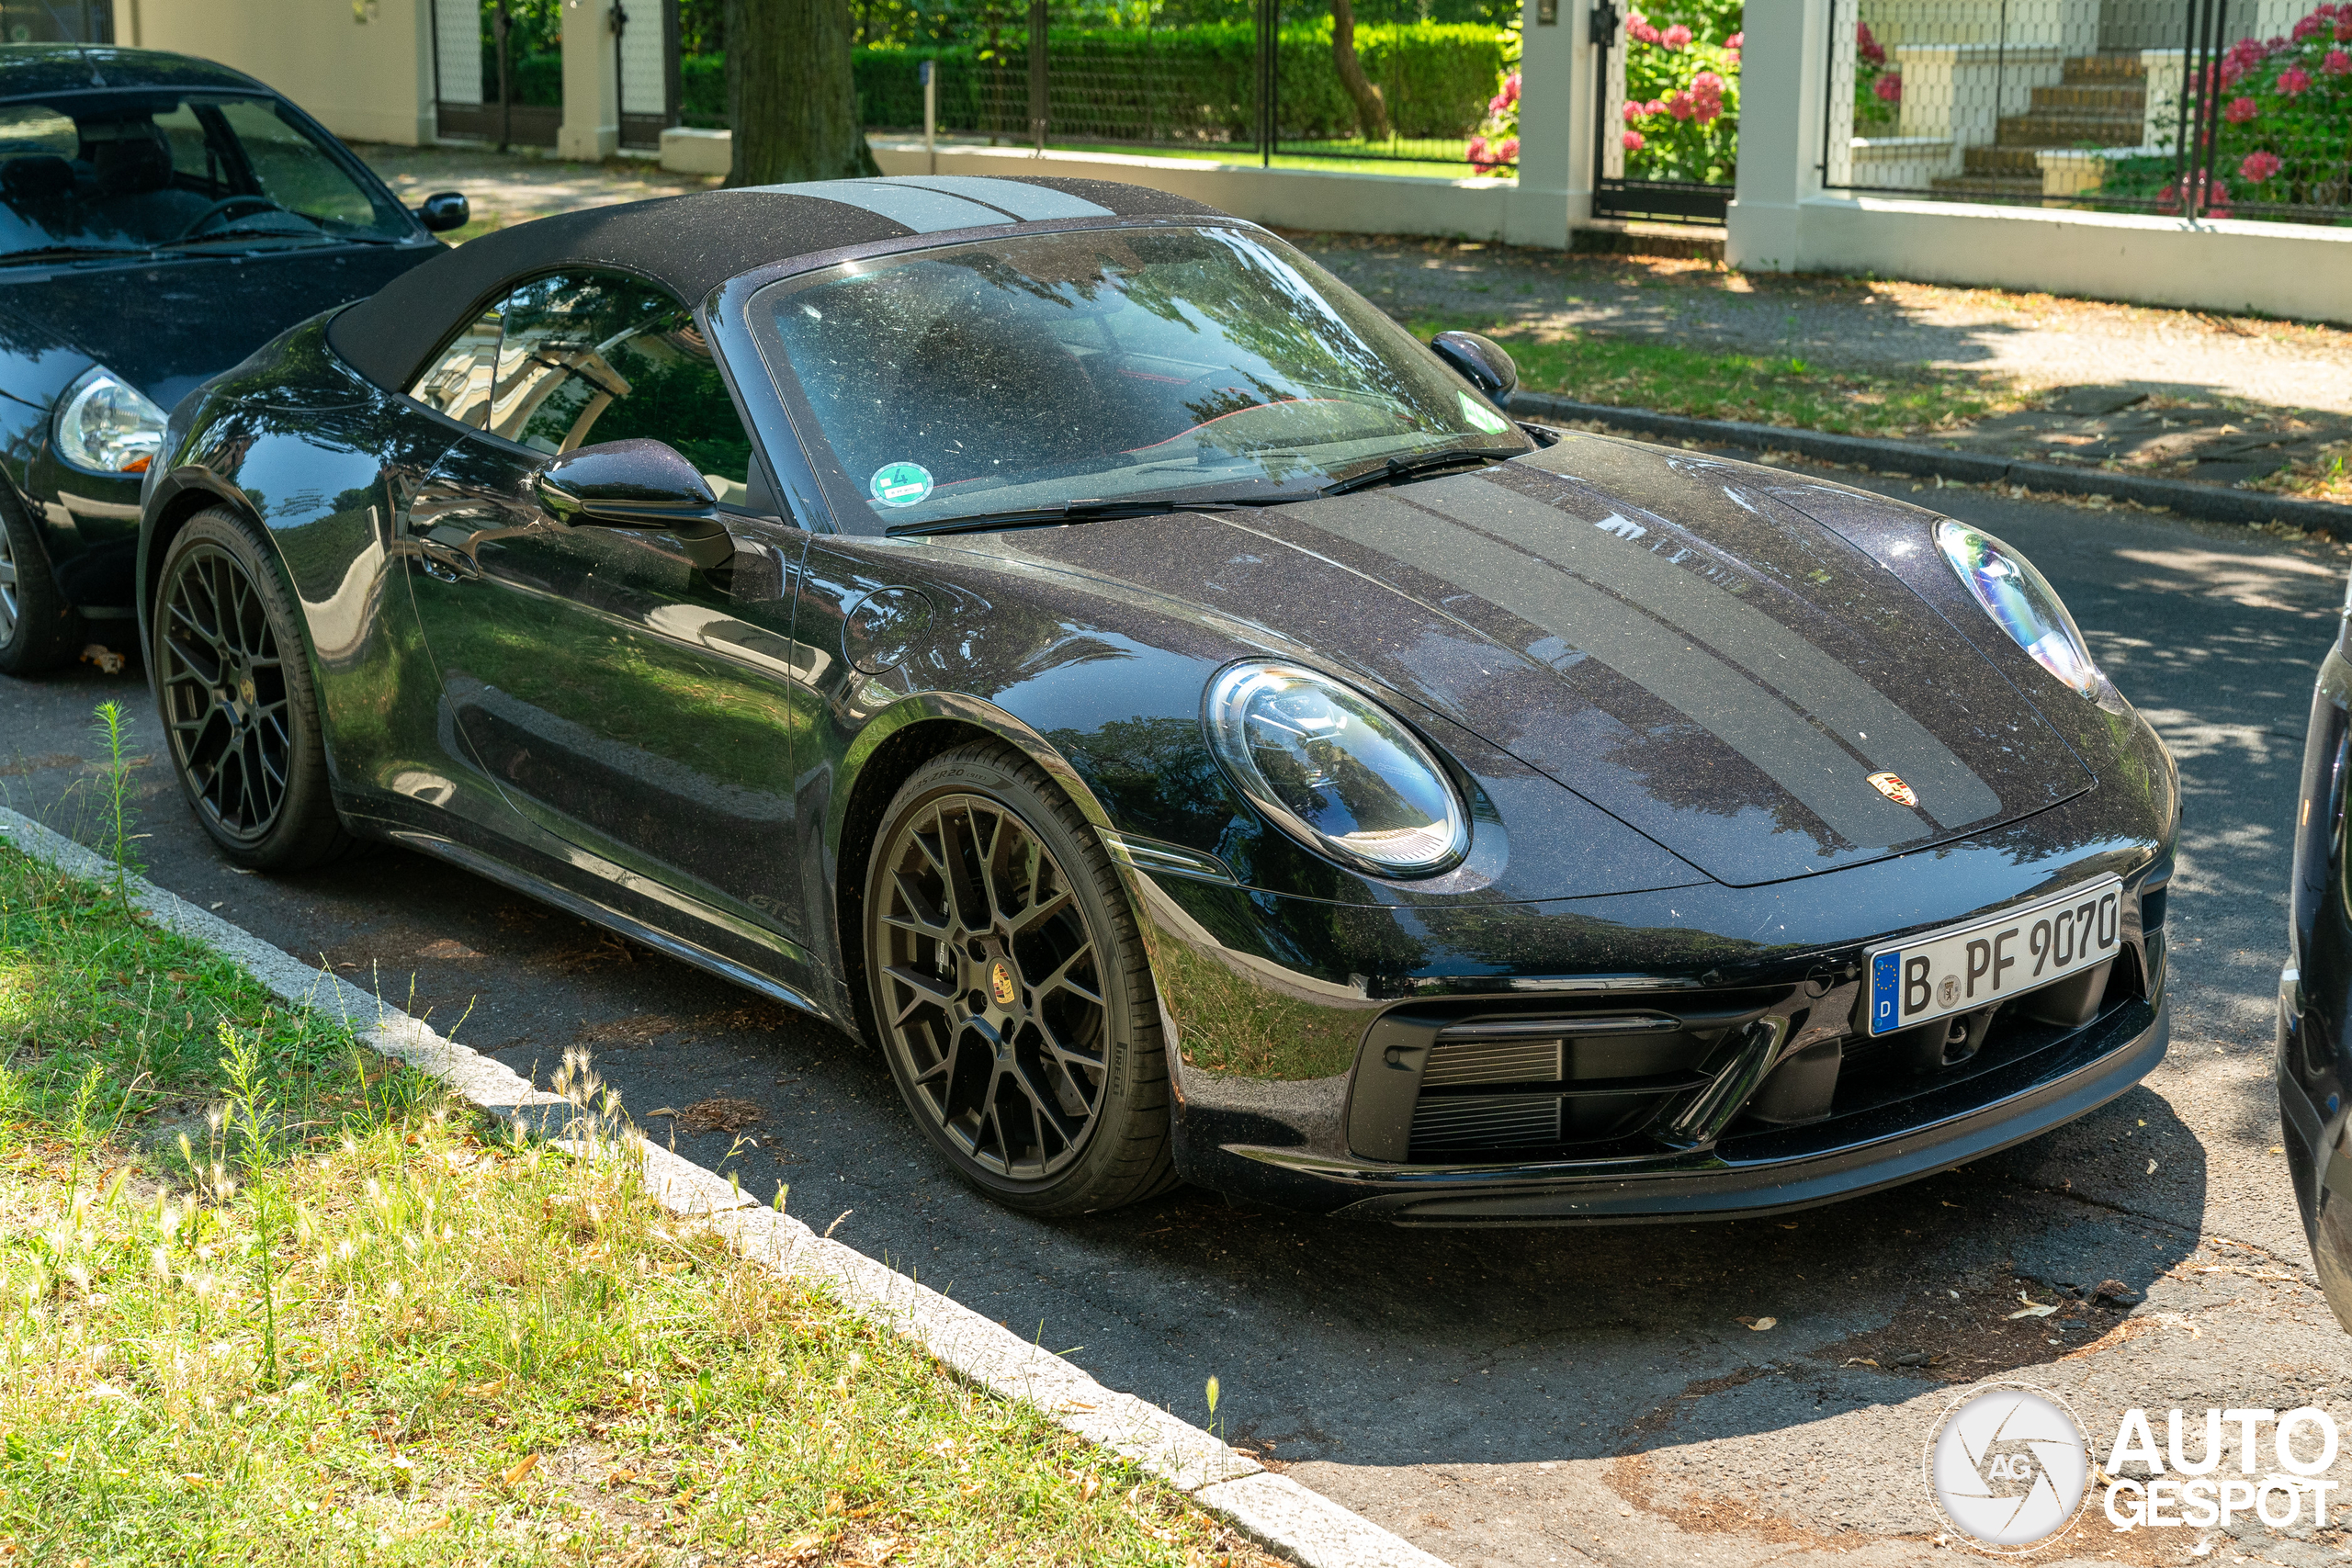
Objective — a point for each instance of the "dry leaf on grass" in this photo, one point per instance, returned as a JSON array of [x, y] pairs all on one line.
[[514, 1473]]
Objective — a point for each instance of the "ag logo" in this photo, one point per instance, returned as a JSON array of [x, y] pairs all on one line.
[[2007, 1466], [1894, 789], [1000, 985]]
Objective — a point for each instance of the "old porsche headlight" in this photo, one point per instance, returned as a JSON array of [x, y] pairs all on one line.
[[108, 425], [1336, 770], [2023, 605]]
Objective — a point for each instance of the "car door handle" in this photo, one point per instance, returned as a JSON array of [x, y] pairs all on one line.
[[447, 562]]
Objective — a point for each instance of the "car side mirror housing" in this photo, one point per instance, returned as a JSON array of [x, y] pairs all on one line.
[[636, 484], [1481, 361], [445, 210]]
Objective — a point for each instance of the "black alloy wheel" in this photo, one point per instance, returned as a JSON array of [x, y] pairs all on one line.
[[38, 630], [235, 693], [1010, 991]]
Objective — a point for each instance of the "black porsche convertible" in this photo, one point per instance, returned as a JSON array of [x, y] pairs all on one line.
[[161, 217], [1059, 632]]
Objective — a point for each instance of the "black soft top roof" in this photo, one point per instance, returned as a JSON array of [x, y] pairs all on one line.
[[693, 244]]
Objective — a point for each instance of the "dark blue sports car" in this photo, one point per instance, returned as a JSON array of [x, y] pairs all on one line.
[[160, 219]]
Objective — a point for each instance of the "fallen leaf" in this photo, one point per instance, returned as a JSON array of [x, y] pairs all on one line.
[[2152, 1167], [2116, 1291], [1089, 1487], [514, 1473], [2032, 1308], [1860, 1361], [1759, 1325], [621, 1478], [108, 661], [2278, 1148], [723, 1113]]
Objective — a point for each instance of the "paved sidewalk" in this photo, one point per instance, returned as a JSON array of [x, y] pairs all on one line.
[[2042, 339]]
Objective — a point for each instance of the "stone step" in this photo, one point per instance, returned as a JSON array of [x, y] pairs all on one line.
[[2003, 163], [2092, 100], [2088, 70], [2068, 130], [1988, 187]]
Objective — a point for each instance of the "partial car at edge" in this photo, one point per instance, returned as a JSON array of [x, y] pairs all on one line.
[[1056, 631], [160, 219]]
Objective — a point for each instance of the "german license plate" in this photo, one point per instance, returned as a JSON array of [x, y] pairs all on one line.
[[1977, 965]]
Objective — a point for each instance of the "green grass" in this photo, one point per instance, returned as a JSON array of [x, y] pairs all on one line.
[[1761, 389], [268, 1299]]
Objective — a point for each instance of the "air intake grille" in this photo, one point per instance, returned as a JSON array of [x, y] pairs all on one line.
[[1492, 1061], [1487, 1121]]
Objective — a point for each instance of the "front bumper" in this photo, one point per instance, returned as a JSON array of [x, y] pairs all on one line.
[[1615, 1060]]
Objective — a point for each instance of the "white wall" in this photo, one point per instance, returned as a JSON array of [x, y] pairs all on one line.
[[365, 73], [1293, 199], [1782, 220]]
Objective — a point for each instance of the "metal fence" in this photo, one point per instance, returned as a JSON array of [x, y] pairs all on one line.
[[1267, 90], [2204, 109], [488, 86]]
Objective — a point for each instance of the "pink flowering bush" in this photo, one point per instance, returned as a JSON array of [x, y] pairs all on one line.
[[1682, 90], [1878, 86], [1495, 147], [2285, 130]]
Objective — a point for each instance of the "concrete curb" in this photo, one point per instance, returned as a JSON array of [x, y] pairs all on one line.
[[1279, 1511], [2185, 498]]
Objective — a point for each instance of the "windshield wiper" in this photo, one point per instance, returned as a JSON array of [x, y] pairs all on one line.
[[247, 235], [1066, 512], [1398, 468], [72, 253]]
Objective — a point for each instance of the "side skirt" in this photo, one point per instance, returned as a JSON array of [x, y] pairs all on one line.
[[587, 908]]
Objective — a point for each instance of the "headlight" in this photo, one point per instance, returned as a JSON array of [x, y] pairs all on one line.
[[108, 425], [2023, 605], [1337, 771]]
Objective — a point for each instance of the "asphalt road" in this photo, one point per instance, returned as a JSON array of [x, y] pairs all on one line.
[[1518, 1397]]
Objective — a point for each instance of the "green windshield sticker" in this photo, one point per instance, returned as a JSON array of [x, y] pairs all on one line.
[[905, 484], [1476, 412]]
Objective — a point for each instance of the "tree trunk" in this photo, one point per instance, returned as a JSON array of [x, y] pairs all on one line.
[[1371, 113], [789, 96]]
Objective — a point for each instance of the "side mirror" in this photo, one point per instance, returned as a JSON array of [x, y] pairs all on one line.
[[1481, 361], [445, 210], [636, 484]]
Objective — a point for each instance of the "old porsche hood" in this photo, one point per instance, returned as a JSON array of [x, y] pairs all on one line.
[[1653, 631]]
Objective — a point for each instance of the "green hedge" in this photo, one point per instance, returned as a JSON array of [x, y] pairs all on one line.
[[1172, 83]]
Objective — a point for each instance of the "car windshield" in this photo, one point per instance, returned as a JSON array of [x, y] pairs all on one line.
[[137, 171], [1111, 365]]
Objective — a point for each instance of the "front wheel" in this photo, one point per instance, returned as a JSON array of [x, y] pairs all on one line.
[[1010, 991], [234, 685]]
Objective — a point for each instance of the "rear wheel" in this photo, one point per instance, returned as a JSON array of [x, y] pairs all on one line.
[[235, 687], [1010, 991], [38, 630]]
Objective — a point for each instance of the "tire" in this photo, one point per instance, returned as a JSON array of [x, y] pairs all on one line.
[[1010, 989], [38, 630], [233, 681]]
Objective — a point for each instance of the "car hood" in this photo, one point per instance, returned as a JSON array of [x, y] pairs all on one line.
[[1652, 629], [164, 326]]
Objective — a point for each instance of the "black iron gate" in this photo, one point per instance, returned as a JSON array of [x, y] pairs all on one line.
[[1615, 195]]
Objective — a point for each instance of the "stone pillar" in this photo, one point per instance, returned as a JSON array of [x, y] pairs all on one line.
[[1551, 145], [1783, 65], [592, 85]]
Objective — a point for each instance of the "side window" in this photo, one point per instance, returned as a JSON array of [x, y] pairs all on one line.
[[589, 358], [458, 383]]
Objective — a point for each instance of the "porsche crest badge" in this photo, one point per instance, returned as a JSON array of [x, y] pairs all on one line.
[[1000, 985], [1894, 789]]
